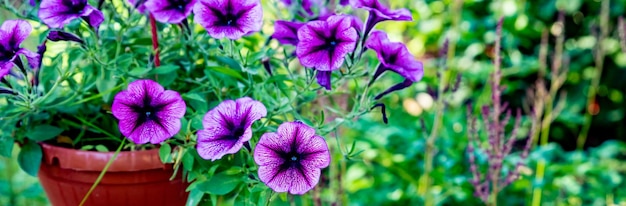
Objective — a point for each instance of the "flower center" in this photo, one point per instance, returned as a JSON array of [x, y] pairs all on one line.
[[294, 158], [238, 132], [76, 7], [6, 54], [331, 43]]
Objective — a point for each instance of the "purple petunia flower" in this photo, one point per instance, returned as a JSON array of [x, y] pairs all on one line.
[[291, 159], [323, 78], [396, 57], [324, 44], [229, 18], [286, 32], [344, 2], [228, 126], [58, 13], [139, 5], [170, 11], [148, 113], [379, 12], [12, 34], [307, 5], [64, 36]]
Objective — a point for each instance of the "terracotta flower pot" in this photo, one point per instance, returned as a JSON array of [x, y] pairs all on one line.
[[134, 178]]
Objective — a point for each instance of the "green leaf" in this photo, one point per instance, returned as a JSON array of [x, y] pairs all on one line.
[[43, 132], [29, 158], [101, 148], [105, 83], [195, 196], [220, 184], [165, 69], [165, 152], [188, 160], [87, 147], [227, 72], [6, 146], [233, 64]]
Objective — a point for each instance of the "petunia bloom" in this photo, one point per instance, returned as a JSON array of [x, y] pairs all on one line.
[[324, 44], [379, 12], [396, 57], [64, 36], [286, 32], [58, 13], [228, 126], [12, 34], [307, 5], [139, 5], [147, 112], [170, 11], [291, 159], [232, 19]]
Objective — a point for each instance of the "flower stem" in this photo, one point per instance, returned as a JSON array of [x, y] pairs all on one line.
[[155, 41], [593, 88], [106, 167]]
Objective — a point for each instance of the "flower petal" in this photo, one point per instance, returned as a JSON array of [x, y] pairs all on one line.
[[95, 17], [295, 134], [171, 104], [31, 57], [250, 110], [55, 14], [223, 114], [315, 152], [323, 78], [267, 152], [286, 32], [5, 68], [155, 131], [295, 180], [165, 12], [14, 32], [214, 142]]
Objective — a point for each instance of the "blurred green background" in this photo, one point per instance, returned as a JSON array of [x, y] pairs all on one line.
[[388, 168]]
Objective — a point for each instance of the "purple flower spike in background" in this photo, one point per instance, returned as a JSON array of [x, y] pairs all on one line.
[[148, 113], [324, 44], [379, 12], [12, 34], [291, 159], [394, 56], [232, 19], [170, 11], [286, 32], [58, 13], [228, 126]]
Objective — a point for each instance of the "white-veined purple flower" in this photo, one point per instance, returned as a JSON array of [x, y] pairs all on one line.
[[147, 112], [324, 44], [170, 11], [232, 19], [12, 34], [291, 159], [228, 126], [58, 13], [378, 12]]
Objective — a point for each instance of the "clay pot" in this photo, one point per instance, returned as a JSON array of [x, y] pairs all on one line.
[[134, 178]]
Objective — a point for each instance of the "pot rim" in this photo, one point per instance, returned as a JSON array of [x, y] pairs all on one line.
[[81, 160]]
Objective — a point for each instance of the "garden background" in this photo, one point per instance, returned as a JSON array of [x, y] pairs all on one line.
[[387, 168]]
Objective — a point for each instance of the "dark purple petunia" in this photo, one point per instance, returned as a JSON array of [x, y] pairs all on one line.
[[379, 12], [228, 126], [323, 78], [58, 13], [147, 112], [64, 36], [286, 32], [344, 2], [396, 57], [170, 11], [139, 5], [12, 34], [324, 44], [232, 19], [291, 159]]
